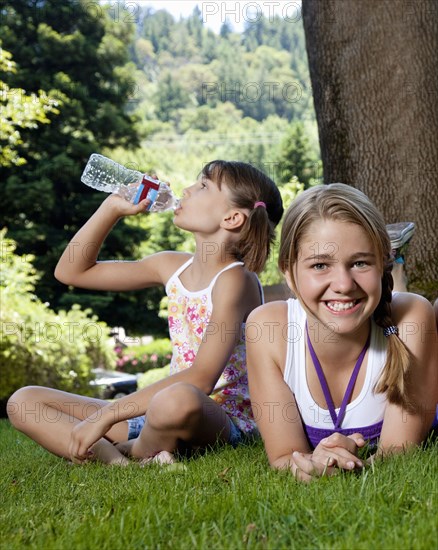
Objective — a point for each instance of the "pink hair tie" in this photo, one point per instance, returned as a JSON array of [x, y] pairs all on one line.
[[259, 203]]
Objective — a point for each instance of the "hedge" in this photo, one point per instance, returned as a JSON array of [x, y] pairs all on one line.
[[39, 346]]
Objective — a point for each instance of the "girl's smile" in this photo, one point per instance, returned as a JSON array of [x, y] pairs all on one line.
[[343, 307]]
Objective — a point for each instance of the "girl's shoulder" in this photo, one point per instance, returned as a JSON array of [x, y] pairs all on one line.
[[409, 307], [414, 316], [235, 285], [238, 276], [266, 333], [171, 261], [272, 312]]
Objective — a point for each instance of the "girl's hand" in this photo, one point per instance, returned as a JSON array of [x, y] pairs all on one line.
[[84, 435], [121, 207], [305, 468], [332, 453], [340, 451]]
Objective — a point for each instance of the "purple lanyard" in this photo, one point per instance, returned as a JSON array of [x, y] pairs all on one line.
[[337, 419]]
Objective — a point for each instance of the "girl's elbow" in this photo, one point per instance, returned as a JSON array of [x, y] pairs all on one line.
[[206, 384], [63, 276], [204, 381], [280, 463], [207, 387], [60, 275]]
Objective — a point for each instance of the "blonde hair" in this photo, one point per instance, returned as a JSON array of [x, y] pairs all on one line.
[[249, 185], [340, 202]]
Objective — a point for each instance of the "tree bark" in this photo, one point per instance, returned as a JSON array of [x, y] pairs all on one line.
[[374, 69]]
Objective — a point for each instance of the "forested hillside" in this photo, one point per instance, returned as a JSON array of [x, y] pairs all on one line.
[[151, 92], [198, 95]]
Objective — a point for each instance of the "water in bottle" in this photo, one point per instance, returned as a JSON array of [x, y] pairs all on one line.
[[108, 176]]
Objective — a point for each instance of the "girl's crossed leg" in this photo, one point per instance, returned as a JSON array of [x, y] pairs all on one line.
[[178, 417], [48, 417]]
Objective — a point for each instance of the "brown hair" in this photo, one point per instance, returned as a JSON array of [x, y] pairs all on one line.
[[249, 185], [344, 203]]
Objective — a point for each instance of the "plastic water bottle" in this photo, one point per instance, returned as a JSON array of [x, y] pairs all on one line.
[[105, 175]]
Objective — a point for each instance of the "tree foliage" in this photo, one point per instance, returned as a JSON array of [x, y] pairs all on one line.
[[76, 53], [297, 158], [19, 111], [262, 71], [120, 77]]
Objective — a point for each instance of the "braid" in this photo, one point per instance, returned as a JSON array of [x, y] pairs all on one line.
[[382, 314], [394, 378]]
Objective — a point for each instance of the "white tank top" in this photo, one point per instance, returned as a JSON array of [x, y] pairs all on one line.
[[366, 410]]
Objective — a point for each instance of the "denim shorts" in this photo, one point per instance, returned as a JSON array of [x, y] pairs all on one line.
[[236, 435], [135, 425]]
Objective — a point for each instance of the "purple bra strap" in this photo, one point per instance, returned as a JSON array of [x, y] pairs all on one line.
[[337, 419]]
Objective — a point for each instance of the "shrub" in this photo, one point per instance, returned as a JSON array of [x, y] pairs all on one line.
[[152, 376], [135, 359], [39, 346]]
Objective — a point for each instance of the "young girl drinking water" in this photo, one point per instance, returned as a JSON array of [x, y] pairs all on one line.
[[232, 210], [346, 361]]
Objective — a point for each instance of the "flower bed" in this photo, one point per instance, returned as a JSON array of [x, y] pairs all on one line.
[[135, 359]]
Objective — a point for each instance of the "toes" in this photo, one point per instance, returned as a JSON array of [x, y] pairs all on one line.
[[164, 457]]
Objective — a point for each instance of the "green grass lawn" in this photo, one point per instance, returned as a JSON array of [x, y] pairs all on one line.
[[225, 499]]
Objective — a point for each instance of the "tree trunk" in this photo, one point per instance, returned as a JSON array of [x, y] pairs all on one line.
[[374, 69]]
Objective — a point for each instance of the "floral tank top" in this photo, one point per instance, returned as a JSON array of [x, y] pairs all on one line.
[[189, 314]]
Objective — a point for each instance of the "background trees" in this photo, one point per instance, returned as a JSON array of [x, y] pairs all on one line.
[[374, 67], [79, 56], [155, 94], [19, 111]]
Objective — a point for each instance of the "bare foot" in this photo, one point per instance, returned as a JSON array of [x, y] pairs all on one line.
[[105, 452], [163, 457], [120, 461]]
